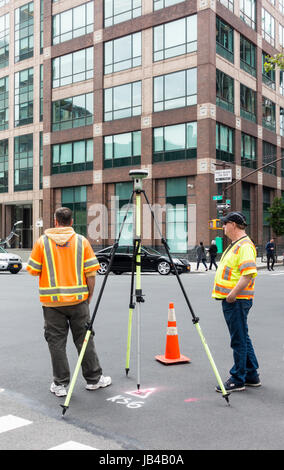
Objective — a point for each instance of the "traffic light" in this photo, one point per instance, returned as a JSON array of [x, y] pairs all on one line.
[[215, 224]]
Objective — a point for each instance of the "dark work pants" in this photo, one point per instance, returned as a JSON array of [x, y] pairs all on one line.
[[245, 361], [213, 261], [203, 261], [272, 258], [57, 321]]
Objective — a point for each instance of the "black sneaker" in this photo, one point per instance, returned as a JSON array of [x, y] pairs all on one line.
[[253, 383], [231, 386]]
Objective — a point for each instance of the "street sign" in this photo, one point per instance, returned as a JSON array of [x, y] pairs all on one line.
[[223, 176], [228, 201], [218, 197], [223, 206], [39, 223]]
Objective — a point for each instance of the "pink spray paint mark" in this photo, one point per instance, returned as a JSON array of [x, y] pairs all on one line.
[[191, 400]]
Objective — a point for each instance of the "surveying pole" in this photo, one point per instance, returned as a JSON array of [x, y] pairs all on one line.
[[137, 177]]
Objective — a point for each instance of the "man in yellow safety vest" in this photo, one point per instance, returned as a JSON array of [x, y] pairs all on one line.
[[234, 285]]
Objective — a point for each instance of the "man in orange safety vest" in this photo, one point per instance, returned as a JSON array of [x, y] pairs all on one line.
[[66, 266]]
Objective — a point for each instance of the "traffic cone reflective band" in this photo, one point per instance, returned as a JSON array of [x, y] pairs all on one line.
[[172, 354]]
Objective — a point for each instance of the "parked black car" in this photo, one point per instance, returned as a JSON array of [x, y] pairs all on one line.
[[151, 261]]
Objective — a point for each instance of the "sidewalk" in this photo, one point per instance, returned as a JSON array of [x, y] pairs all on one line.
[[260, 265]]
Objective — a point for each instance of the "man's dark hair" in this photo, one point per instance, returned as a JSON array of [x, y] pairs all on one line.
[[63, 215]]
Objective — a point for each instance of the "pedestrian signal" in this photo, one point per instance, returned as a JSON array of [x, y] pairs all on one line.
[[215, 224]]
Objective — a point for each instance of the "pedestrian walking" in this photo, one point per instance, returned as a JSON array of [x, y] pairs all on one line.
[[201, 256], [234, 285], [66, 266], [270, 254], [213, 253]]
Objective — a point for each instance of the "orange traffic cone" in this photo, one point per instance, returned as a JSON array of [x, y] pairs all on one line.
[[172, 353]]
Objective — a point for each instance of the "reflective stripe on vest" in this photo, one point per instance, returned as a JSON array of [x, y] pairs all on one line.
[[49, 264]]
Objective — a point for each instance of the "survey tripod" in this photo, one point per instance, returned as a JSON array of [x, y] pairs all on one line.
[[138, 176]]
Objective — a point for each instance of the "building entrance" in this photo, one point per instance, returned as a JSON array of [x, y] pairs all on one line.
[[25, 231]]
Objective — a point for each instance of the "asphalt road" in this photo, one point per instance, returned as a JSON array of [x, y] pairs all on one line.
[[178, 407]]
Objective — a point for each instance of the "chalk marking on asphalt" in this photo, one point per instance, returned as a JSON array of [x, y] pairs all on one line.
[[72, 445], [143, 393], [192, 400], [10, 422]]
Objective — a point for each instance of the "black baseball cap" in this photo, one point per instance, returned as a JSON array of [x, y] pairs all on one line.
[[236, 216]]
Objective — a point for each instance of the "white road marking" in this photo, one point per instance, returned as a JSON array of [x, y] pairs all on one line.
[[72, 445], [9, 422]]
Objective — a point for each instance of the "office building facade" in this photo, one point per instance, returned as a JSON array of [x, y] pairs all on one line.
[[92, 89]]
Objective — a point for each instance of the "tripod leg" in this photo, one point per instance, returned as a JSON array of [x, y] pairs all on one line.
[[212, 362], [138, 345], [76, 372], [128, 340], [131, 308]]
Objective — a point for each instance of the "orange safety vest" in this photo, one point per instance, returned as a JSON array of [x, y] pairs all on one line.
[[62, 268]]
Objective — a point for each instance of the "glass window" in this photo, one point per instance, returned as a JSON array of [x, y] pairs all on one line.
[[123, 192], [224, 40], [24, 87], [281, 6], [123, 53], [268, 27], [158, 4], [175, 90], [266, 229], [247, 56], [282, 121], [4, 165], [76, 200], [248, 103], [41, 93], [122, 101], [268, 78], [72, 156], [268, 114], [72, 112], [4, 40], [176, 142], [71, 68], [122, 149], [117, 11], [73, 23], [228, 3], [268, 156], [246, 204], [248, 151], [4, 103], [248, 12], [23, 162], [225, 145], [24, 32], [281, 35], [176, 217], [175, 38], [224, 91]]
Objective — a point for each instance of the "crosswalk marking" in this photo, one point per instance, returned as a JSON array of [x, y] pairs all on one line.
[[9, 422], [72, 445]]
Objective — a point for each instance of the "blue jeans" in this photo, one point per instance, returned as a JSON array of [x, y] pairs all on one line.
[[245, 361]]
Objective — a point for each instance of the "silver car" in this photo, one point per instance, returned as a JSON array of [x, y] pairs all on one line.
[[10, 262]]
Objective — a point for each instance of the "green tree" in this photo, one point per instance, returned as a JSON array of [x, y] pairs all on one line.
[[276, 218], [274, 62]]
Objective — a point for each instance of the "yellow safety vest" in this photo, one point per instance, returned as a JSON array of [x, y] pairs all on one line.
[[239, 259]]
